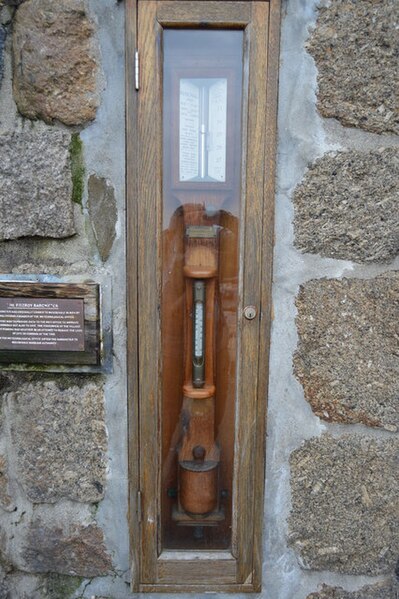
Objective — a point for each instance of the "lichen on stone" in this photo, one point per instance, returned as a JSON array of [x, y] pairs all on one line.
[[78, 551], [60, 440], [356, 45], [65, 85], [387, 589], [344, 504], [347, 206], [347, 358], [36, 184]]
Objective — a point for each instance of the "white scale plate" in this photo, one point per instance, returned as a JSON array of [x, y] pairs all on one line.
[[190, 119]]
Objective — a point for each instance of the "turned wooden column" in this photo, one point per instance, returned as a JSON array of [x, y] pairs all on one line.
[[199, 453]]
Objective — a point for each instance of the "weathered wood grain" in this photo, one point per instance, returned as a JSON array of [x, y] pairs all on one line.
[[205, 13], [266, 285], [248, 372], [197, 571], [131, 287], [260, 21], [209, 587], [149, 264]]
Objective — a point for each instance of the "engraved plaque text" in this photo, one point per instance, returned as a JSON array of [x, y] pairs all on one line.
[[41, 324]]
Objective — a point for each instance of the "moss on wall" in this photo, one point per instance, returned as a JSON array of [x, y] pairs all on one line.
[[59, 586], [77, 168]]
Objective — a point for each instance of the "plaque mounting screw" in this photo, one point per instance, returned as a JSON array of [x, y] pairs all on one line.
[[250, 312]]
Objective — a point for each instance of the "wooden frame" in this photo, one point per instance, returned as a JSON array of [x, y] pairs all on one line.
[[89, 293], [238, 570]]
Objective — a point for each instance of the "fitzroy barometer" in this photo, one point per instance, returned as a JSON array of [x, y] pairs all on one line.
[[201, 122]]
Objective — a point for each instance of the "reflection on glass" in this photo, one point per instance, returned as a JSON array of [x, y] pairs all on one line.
[[201, 197]]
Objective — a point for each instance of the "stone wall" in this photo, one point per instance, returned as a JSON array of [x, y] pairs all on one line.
[[332, 483], [63, 472], [332, 446]]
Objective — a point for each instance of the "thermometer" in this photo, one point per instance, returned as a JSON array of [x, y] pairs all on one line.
[[198, 333]]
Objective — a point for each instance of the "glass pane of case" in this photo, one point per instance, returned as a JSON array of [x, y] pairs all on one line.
[[202, 96], [202, 129]]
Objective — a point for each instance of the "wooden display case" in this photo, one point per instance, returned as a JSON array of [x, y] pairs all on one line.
[[200, 168]]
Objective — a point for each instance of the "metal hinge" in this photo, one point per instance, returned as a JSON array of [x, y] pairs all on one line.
[[136, 70], [139, 507]]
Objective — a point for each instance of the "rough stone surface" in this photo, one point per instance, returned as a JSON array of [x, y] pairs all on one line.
[[5, 569], [4, 381], [60, 441], [347, 358], [79, 552], [103, 213], [2, 41], [381, 590], [6, 13], [19, 585], [35, 185], [11, 2], [4, 588], [60, 257], [55, 59], [347, 206], [344, 504], [355, 46], [5, 500]]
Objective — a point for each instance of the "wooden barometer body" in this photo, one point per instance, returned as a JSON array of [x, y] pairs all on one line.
[[200, 307]]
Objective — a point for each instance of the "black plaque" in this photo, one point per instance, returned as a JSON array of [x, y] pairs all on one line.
[[41, 324]]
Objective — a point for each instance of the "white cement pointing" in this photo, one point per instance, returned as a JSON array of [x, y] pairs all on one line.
[[104, 155]]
